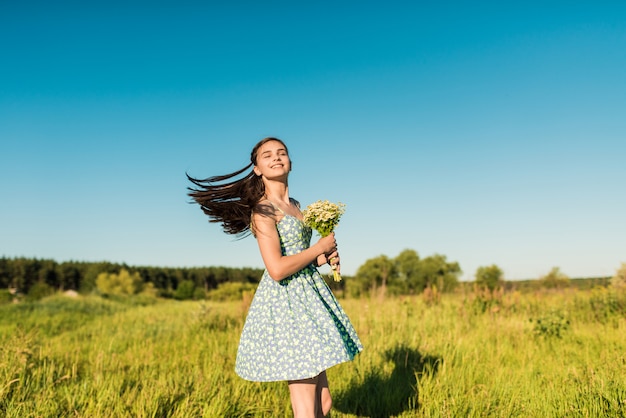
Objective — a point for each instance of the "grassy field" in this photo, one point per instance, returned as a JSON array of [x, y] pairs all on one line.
[[559, 354]]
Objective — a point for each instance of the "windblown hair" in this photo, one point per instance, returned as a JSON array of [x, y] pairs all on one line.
[[228, 200]]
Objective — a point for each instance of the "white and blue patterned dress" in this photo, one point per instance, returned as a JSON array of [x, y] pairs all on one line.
[[295, 328]]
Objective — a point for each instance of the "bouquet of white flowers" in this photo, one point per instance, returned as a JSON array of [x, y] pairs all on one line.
[[323, 216]]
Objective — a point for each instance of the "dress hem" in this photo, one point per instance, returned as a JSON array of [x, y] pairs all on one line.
[[296, 378]]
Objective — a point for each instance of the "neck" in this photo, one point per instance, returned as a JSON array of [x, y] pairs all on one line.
[[277, 191]]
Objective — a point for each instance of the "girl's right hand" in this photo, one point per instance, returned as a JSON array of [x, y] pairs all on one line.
[[328, 244]]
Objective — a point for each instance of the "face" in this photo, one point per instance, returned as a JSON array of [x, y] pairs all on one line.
[[272, 160]]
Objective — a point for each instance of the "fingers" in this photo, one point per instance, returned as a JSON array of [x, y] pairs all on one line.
[[329, 243], [332, 239], [333, 254], [333, 259]]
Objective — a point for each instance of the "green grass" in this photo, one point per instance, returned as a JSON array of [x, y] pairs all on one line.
[[560, 354]]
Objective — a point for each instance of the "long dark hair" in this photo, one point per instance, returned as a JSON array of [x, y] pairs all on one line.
[[229, 201]]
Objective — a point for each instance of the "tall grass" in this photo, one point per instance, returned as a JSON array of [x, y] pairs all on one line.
[[476, 354]]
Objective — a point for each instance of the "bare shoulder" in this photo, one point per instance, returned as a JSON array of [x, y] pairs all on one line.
[[264, 208], [264, 219], [264, 212]]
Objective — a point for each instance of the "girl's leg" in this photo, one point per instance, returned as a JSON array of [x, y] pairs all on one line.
[[310, 398], [323, 394], [302, 394]]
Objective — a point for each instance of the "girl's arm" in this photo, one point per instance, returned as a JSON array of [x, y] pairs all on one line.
[[280, 266]]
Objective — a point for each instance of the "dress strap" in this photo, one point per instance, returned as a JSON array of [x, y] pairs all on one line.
[[276, 207]]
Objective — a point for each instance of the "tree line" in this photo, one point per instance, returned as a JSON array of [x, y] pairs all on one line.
[[407, 273], [24, 275]]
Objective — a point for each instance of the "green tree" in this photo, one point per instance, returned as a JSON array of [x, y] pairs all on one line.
[[438, 272], [406, 273], [409, 272], [374, 275], [48, 273], [5, 275], [489, 277], [69, 276], [24, 273]]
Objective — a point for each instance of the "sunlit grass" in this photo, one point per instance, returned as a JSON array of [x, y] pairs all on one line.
[[462, 355]]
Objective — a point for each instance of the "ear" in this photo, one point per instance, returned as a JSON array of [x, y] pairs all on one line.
[[256, 171]]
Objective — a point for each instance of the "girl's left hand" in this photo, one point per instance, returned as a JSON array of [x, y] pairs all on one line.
[[333, 260]]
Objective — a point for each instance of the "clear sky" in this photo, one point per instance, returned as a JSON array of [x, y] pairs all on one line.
[[489, 132]]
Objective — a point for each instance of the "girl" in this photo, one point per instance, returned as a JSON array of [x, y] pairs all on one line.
[[295, 328]]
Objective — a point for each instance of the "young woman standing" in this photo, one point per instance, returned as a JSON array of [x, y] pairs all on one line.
[[295, 328]]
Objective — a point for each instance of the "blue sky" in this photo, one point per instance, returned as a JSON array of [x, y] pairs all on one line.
[[491, 133]]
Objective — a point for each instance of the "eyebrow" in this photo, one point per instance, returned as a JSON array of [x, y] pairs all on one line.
[[278, 150]]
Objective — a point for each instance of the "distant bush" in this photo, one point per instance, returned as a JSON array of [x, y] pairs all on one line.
[[199, 293], [39, 290], [230, 291], [606, 303], [121, 284], [185, 290], [554, 280], [619, 280], [5, 296]]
